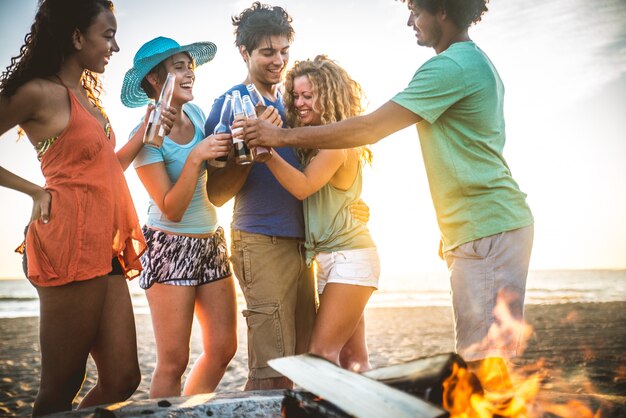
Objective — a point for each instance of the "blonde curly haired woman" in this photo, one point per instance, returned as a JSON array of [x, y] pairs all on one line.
[[318, 92]]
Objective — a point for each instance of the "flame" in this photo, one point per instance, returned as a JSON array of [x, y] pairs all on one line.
[[572, 409], [508, 333], [464, 396], [490, 388]]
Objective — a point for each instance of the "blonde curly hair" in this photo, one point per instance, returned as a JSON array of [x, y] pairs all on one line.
[[336, 96]]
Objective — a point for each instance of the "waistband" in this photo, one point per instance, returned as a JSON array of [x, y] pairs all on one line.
[[238, 234], [198, 236]]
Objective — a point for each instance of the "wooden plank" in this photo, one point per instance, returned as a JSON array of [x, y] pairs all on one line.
[[355, 394], [423, 368]]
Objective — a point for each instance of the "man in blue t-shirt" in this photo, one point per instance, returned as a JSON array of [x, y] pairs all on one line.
[[456, 101], [268, 225]]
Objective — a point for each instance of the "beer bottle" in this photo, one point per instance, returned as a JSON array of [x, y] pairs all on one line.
[[155, 132], [223, 127], [242, 152], [259, 154], [257, 99]]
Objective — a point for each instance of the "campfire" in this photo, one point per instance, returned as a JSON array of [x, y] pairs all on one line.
[[493, 387], [498, 388]]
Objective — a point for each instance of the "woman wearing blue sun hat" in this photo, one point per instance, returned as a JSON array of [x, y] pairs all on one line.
[[186, 266]]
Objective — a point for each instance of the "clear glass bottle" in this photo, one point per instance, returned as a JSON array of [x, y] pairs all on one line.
[[259, 154], [257, 99], [242, 152], [155, 132], [223, 127]]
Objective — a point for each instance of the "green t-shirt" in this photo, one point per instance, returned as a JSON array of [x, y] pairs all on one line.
[[460, 96], [329, 224]]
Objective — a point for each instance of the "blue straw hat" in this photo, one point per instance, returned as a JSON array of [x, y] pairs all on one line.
[[149, 56]]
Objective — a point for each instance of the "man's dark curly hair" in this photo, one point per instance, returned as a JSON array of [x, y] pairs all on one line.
[[463, 13], [260, 21]]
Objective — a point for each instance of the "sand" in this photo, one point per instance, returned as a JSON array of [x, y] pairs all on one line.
[[579, 349]]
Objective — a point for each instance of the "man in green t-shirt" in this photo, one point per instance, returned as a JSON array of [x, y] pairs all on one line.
[[456, 101]]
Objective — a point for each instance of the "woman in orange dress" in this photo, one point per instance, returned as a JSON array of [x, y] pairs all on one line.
[[84, 239]]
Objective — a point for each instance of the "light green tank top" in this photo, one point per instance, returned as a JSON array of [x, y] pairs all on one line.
[[329, 224]]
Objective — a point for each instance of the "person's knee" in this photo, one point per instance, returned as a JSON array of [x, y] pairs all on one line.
[[222, 351], [173, 363], [130, 383], [121, 384], [229, 351]]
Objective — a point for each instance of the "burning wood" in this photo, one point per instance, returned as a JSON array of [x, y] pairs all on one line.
[[352, 394]]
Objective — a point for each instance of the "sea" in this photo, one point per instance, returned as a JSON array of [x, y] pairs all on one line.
[[18, 298]]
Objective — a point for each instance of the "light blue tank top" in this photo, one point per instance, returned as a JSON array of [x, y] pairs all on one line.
[[200, 216]]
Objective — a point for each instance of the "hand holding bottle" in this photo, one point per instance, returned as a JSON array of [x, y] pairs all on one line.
[[257, 99], [242, 152], [271, 115], [261, 133], [213, 146], [223, 127], [262, 110], [155, 129], [259, 154], [168, 116]]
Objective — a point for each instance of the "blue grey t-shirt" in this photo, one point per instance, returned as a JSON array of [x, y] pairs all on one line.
[[263, 206]]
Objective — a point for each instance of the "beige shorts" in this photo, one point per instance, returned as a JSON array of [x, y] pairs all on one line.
[[280, 296], [482, 273]]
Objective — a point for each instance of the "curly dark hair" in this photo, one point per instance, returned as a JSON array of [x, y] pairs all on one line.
[[260, 21], [463, 13], [50, 41]]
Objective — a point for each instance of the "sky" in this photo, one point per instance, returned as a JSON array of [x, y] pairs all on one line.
[[563, 64]]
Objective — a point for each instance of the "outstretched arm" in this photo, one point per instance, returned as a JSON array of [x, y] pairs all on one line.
[[302, 184], [349, 133]]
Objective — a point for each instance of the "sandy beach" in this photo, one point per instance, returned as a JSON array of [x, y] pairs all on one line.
[[577, 348]]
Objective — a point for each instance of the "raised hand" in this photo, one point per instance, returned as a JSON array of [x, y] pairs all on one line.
[[261, 133], [167, 119], [272, 116], [213, 146]]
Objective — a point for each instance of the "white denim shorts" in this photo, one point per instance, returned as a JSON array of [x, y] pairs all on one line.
[[358, 267]]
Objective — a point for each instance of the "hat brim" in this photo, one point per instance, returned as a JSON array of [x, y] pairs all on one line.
[[132, 94]]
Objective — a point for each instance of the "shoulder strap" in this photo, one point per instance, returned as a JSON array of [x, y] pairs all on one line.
[[60, 81]]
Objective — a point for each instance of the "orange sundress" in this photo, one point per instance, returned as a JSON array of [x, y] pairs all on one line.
[[92, 216]]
